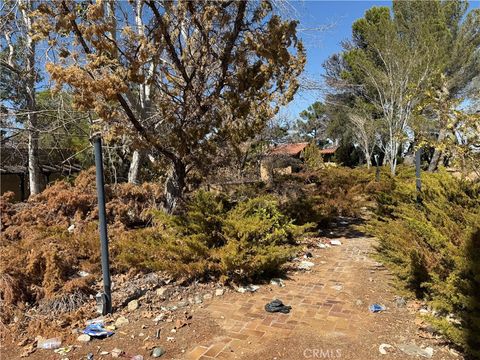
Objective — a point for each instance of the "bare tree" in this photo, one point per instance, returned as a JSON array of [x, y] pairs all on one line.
[[198, 74], [19, 45], [364, 134]]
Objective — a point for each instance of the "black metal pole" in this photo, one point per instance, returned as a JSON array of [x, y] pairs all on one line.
[[102, 217], [418, 180]]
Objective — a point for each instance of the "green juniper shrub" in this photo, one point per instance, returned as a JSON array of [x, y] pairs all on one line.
[[259, 239], [214, 237], [304, 209], [433, 247], [312, 156], [468, 282], [179, 244], [419, 275]]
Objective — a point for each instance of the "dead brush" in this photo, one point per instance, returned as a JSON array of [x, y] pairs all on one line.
[[64, 303], [8, 291], [39, 256]]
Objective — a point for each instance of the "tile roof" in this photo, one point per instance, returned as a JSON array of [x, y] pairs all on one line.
[[329, 150], [288, 149]]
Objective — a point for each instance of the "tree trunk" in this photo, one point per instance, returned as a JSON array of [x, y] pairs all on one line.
[[437, 154], [367, 153], [31, 126], [392, 156], [393, 166], [134, 171], [174, 186], [369, 160], [33, 165]]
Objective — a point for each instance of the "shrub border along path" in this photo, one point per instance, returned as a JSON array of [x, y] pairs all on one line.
[[329, 318], [330, 315]]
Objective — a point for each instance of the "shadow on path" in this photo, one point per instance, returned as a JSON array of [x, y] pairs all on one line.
[[345, 227]]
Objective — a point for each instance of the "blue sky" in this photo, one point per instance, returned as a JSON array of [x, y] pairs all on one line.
[[320, 45]]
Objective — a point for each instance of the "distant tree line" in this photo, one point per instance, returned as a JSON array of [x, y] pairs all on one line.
[[176, 83], [179, 90], [408, 78], [405, 80]]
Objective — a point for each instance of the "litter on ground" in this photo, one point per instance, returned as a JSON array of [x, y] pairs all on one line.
[[248, 288], [63, 350], [97, 330], [53, 343], [277, 281], [415, 350], [382, 348], [305, 265], [375, 308], [277, 306]]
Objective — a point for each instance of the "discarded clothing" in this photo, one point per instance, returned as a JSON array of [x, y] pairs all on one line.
[[277, 306], [97, 330]]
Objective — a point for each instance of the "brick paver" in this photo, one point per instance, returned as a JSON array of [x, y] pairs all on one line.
[[322, 302]]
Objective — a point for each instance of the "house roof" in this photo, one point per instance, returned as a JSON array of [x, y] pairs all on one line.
[[295, 149], [289, 149], [329, 150], [14, 160]]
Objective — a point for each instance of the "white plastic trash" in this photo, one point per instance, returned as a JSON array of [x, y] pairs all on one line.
[[53, 343]]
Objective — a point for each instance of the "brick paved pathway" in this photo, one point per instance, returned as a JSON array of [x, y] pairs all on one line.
[[322, 300], [329, 318]]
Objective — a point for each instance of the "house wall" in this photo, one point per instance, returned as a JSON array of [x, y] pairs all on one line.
[[13, 183], [266, 171]]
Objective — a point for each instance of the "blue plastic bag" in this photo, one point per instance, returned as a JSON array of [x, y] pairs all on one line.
[[377, 308], [97, 330]]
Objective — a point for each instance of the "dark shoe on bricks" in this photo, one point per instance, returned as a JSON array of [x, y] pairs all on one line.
[[277, 306]]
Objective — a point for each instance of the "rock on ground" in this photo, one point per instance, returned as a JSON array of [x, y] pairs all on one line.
[[133, 305]]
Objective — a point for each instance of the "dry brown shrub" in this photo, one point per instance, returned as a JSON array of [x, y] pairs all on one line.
[[11, 293], [40, 258], [8, 289], [64, 203], [6, 210], [61, 304]]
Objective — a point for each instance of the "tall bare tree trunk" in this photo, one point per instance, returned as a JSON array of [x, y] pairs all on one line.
[[392, 154], [144, 97], [31, 126], [174, 186], [134, 171], [369, 160], [437, 153]]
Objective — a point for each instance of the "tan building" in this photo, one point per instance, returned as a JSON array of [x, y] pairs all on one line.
[[288, 158]]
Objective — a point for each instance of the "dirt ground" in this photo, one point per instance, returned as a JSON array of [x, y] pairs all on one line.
[[329, 318]]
